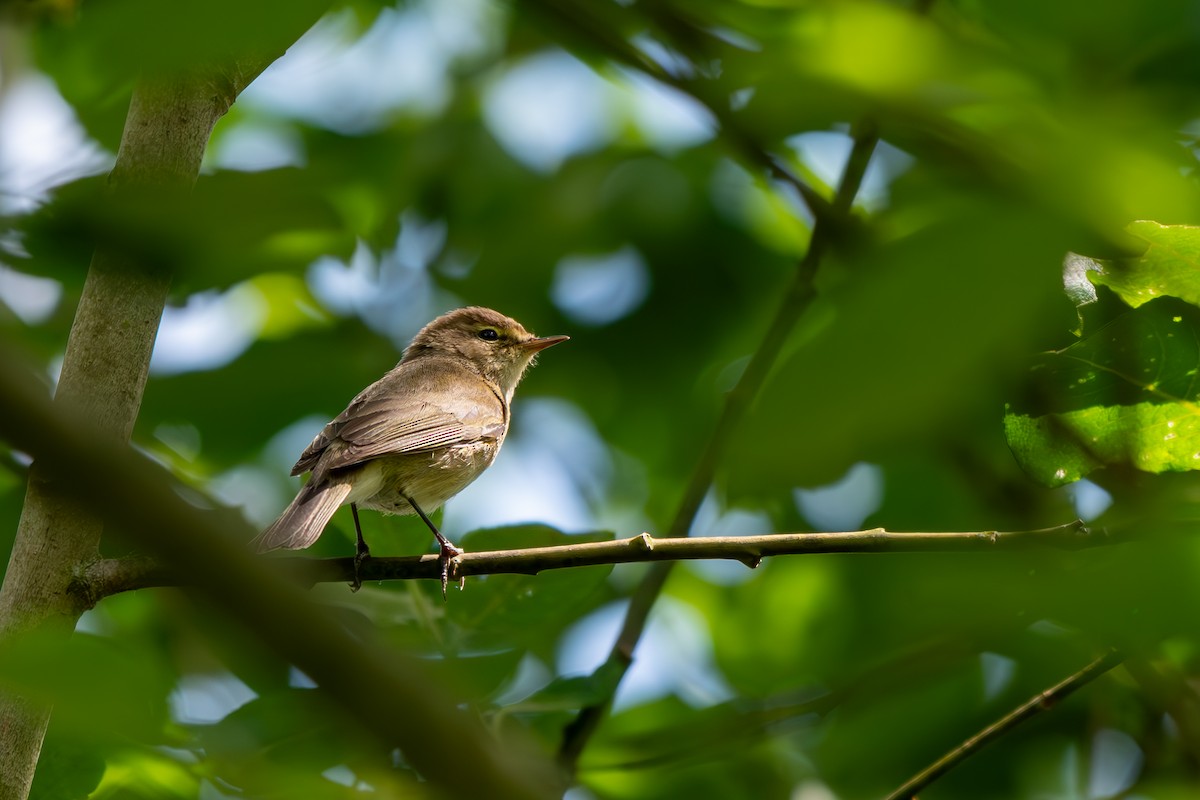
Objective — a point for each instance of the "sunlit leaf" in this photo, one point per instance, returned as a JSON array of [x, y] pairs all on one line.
[[1126, 394], [1170, 265], [149, 774]]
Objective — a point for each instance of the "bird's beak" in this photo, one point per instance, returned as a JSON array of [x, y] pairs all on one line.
[[541, 343]]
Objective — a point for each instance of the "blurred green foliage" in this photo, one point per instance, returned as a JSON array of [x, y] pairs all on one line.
[[1029, 130]]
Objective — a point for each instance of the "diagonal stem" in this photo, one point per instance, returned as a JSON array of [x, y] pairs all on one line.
[[798, 297], [1040, 702], [581, 21]]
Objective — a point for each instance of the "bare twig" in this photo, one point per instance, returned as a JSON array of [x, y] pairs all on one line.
[[1035, 705], [111, 576]]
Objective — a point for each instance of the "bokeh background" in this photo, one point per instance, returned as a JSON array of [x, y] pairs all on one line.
[[596, 169]]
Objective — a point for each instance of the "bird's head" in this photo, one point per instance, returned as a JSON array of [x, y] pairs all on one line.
[[498, 347]]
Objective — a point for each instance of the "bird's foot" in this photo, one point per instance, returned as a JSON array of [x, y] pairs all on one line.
[[360, 555], [447, 561]]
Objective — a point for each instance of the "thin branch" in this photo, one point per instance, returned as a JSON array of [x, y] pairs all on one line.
[[1035, 705], [798, 297], [742, 723], [580, 21], [111, 576]]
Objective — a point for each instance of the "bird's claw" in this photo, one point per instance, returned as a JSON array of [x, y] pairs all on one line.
[[448, 562], [361, 555]]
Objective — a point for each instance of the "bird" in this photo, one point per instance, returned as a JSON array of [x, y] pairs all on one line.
[[416, 437]]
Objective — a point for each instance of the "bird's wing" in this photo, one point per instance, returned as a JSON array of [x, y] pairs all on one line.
[[308, 459], [414, 408]]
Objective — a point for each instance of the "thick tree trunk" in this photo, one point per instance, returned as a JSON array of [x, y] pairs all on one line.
[[103, 375]]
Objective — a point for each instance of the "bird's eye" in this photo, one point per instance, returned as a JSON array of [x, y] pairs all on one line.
[[489, 334]]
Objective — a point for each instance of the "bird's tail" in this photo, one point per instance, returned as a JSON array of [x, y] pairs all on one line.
[[303, 521]]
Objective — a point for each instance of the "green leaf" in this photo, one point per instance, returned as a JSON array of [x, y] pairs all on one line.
[[632, 757], [1046, 455], [283, 743], [573, 692], [525, 611], [907, 348], [1126, 394], [289, 726], [1062, 448], [125, 683], [146, 774], [757, 659], [96, 55], [66, 770], [1151, 354], [284, 218], [1170, 265]]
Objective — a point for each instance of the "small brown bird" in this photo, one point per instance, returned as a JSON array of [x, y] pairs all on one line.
[[417, 436]]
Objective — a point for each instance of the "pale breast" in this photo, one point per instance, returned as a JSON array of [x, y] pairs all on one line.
[[429, 478]]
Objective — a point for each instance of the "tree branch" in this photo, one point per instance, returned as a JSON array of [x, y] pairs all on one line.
[[111, 576], [1035, 705], [580, 21], [798, 297], [744, 722]]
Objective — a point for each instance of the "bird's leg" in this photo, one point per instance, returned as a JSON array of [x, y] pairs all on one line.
[[446, 550], [362, 552]]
